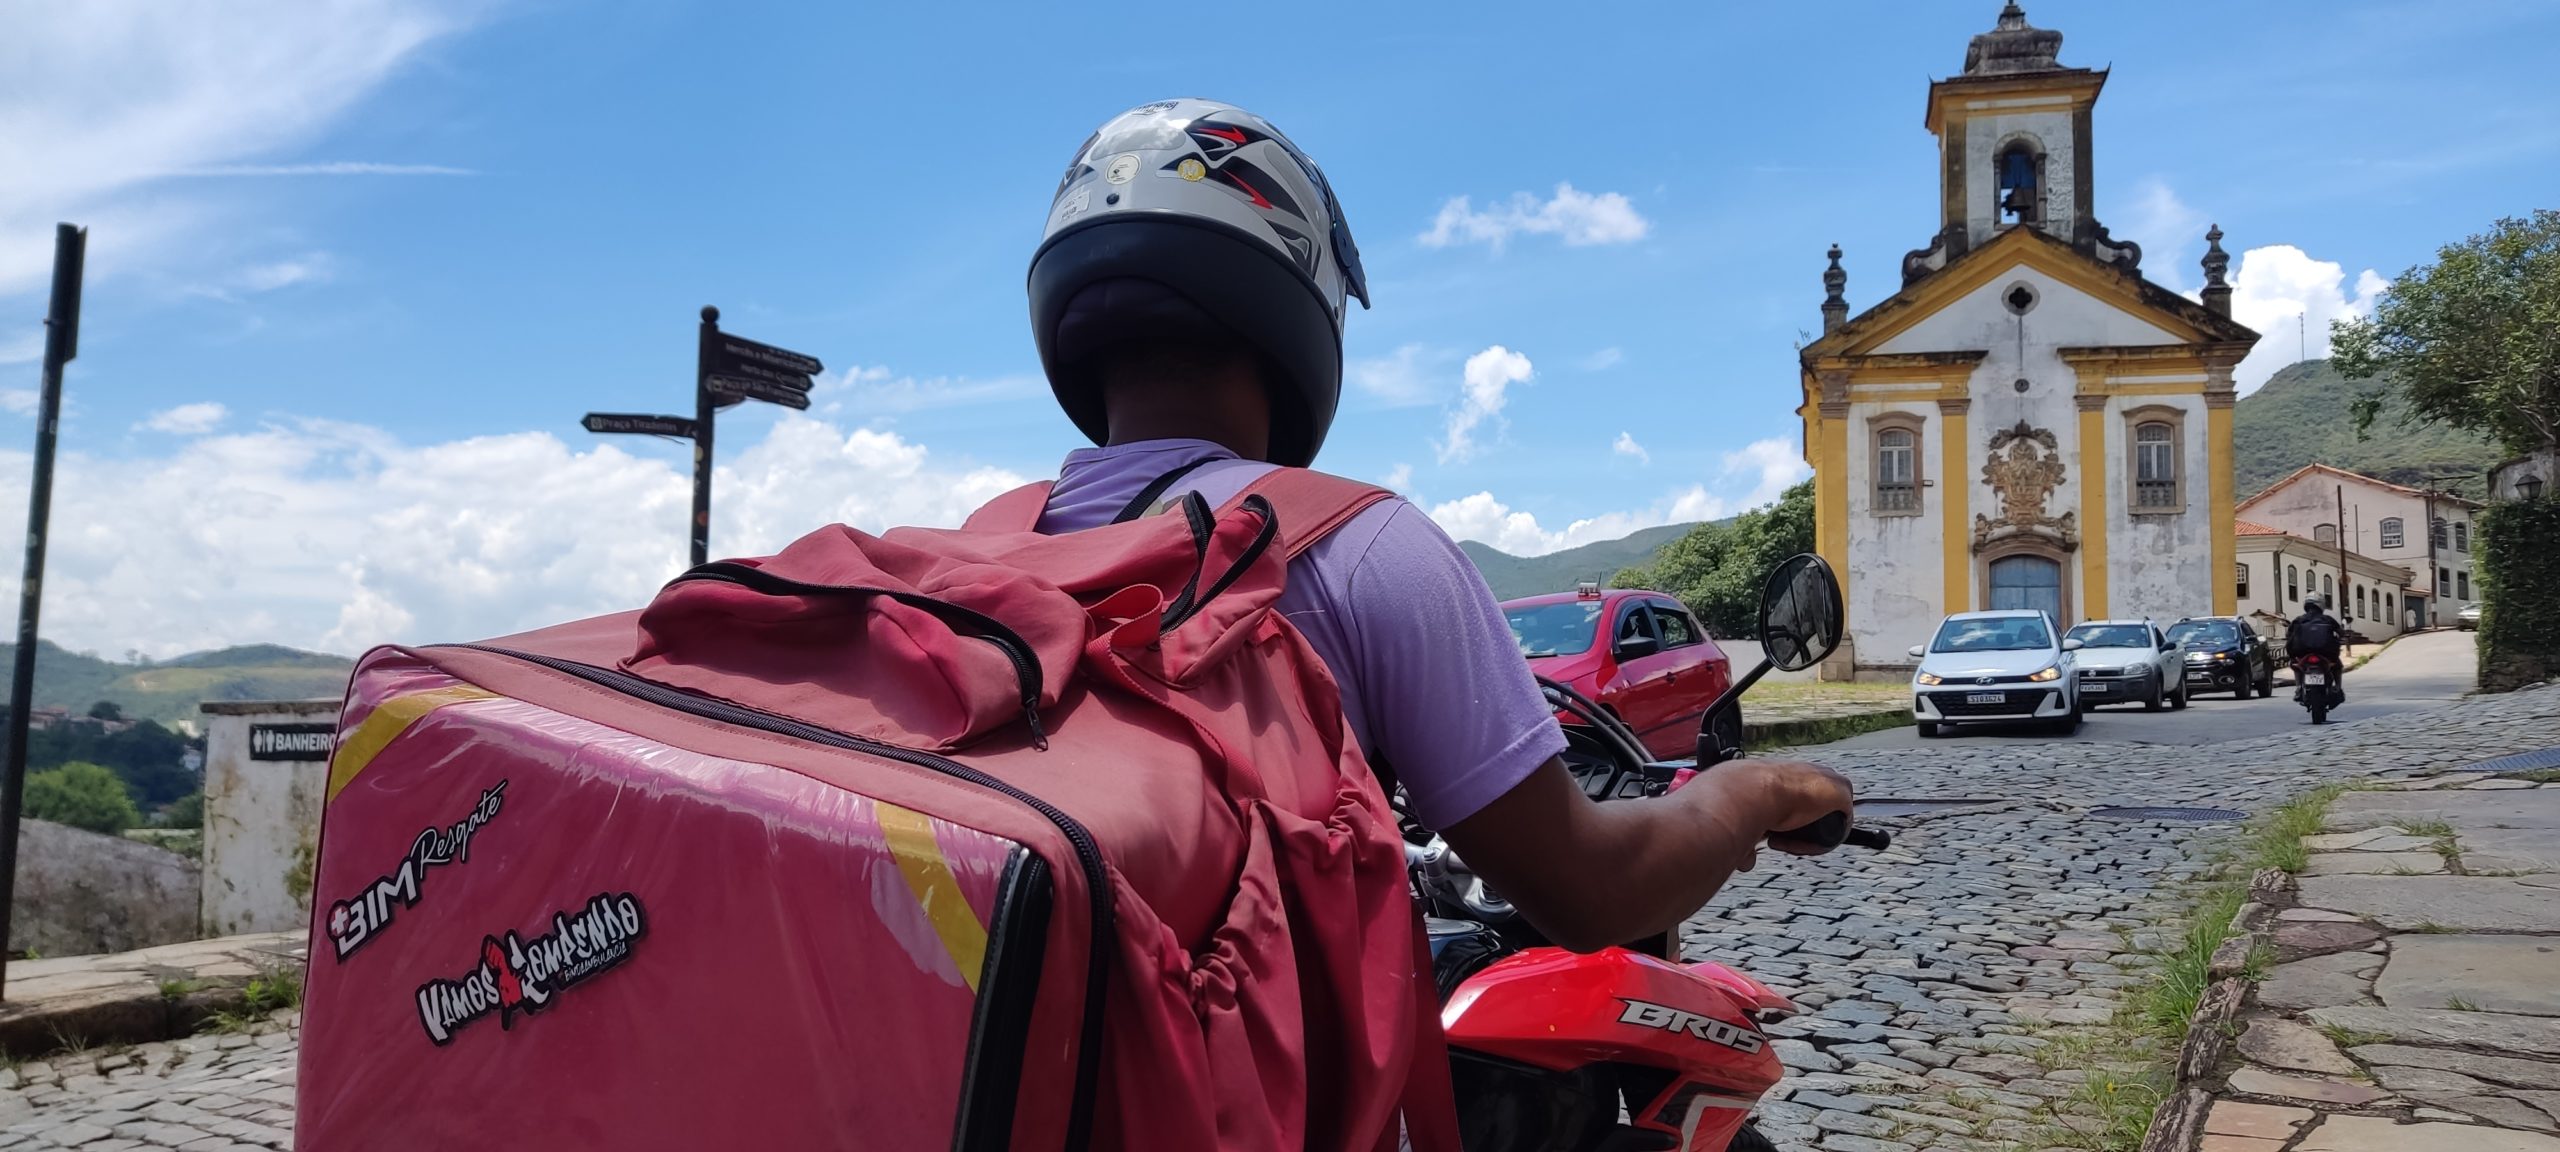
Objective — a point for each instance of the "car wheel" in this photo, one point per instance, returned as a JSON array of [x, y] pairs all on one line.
[[2179, 701], [2267, 687], [2158, 698], [1930, 731]]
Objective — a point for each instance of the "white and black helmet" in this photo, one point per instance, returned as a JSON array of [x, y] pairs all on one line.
[[1191, 219]]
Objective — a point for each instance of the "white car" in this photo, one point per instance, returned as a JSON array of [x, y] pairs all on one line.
[[2122, 661], [1996, 666]]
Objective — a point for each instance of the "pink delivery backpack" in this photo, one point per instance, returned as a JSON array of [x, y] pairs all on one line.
[[970, 839]]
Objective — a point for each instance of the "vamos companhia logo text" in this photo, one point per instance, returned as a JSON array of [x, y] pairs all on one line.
[[520, 975]]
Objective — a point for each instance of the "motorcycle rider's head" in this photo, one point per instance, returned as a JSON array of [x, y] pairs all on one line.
[[1192, 282], [2311, 606]]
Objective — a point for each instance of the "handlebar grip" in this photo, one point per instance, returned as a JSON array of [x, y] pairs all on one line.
[[1833, 831]]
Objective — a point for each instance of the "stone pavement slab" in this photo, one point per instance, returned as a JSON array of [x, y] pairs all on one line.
[[2374, 864], [2519, 974], [2497, 1031], [2464, 810], [2507, 1070], [2283, 1044], [2464, 903], [2377, 1134], [2321, 981]]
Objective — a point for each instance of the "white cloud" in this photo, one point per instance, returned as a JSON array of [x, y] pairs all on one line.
[[338, 537], [1406, 378], [1399, 478], [1626, 446], [1579, 217], [107, 96], [20, 401], [2170, 232], [311, 268], [187, 419], [1488, 377], [1767, 467], [2291, 298], [326, 168], [25, 349], [1602, 360], [875, 389]]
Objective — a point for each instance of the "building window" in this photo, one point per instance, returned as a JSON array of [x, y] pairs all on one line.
[[2359, 601], [2242, 575], [2292, 584], [2324, 533], [1897, 465], [2021, 169], [2444, 580], [2390, 608], [2158, 436], [2328, 592], [2391, 537], [2439, 532], [2461, 585], [2461, 535]]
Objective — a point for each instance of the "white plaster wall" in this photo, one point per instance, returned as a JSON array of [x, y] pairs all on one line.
[[2159, 566], [2269, 565], [1896, 564], [1983, 136], [2064, 317], [261, 824], [2311, 501]]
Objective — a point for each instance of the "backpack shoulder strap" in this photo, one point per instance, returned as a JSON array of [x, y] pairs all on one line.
[[1015, 511], [1310, 505]]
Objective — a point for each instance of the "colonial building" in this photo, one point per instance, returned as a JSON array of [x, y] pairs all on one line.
[[2027, 422], [2277, 569], [2429, 533]]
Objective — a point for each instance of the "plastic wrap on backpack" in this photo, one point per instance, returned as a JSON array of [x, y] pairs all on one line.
[[531, 930]]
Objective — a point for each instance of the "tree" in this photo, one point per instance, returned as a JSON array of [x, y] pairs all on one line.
[[106, 710], [1718, 568], [2472, 340], [82, 795], [184, 812]]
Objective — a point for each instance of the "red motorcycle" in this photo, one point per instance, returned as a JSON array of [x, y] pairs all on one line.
[[1625, 1049], [2316, 687]]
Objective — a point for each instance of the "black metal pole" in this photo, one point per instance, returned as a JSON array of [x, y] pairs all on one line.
[[61, 343], [702, 413]]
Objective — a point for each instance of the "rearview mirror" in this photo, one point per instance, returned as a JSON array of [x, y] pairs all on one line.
[[2072, 645], [1800, 613], [1638, 647], [1917, 652]]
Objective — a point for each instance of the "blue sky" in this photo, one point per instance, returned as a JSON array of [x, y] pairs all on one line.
[[356, 270]]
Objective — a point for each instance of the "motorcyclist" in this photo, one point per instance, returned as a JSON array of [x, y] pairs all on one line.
[[2315, 632], [1188, 299]]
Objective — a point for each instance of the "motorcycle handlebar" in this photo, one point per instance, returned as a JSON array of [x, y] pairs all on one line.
[[1834, 830]]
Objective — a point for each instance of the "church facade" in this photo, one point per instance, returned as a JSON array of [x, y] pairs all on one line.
[[2027, 422]]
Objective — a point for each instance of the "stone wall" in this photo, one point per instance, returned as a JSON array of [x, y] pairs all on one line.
[[81, 893], [261, 819]]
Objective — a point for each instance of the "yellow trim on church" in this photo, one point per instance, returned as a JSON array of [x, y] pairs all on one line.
[[2225, 521], [1955, 496], [2093, 512], [1997, 260]]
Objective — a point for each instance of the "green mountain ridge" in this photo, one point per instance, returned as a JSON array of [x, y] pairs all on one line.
[[170, 690], [2302, 415], [1512, 577]]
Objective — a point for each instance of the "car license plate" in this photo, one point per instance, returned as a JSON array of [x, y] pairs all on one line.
[[1987, 698], [2095, 686], [2314, 678]]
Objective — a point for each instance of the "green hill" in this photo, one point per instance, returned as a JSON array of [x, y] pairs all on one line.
[[1516, 576], [2301, 416], [169, 691]]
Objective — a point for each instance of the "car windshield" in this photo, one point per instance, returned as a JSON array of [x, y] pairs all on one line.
[[1992, 634], [2205, 633], [2111, 635], [1554, 629]]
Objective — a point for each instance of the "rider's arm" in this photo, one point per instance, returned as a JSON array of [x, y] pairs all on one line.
[[1589, 875], [1450, 703]]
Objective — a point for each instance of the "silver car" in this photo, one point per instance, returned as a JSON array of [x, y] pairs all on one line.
[[2008, 665], [2122, 661]]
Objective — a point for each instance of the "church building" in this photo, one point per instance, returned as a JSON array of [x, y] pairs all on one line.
[[2028, 422]]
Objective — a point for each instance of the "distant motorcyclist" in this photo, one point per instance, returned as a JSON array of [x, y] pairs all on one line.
[[2316, 632]]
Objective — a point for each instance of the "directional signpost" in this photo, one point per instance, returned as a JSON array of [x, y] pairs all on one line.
[[727, 370]]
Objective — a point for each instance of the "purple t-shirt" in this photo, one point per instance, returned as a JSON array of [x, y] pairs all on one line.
[[1432, 681]]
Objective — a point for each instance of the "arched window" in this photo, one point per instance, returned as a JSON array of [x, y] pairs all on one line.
[[2462, 536], [2328, 592], [2158, 483], [2391, 533], [2021, 169], [2390, 608], [2241, 575], [2324, 533], [1896, 465], [2292, 584], [2360, 600]]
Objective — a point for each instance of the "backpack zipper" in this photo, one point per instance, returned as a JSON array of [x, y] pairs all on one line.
[[1088, 850], [965, 621]]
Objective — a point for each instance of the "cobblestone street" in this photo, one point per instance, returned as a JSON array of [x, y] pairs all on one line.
[[1933, 973]]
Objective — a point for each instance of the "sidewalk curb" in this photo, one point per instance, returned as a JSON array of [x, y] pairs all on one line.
[[134, 997], [2178, 1124]]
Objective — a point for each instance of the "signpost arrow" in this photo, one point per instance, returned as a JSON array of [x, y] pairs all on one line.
[[767, 391], [745, 370], [738, 350], [637, 424]]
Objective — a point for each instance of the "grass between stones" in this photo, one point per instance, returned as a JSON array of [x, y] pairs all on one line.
[[2130, 1062]]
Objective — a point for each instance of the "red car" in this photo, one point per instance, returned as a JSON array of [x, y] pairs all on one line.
[[1640, 654]]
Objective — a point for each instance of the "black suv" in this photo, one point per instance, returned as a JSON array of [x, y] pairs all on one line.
[[2225, 653]]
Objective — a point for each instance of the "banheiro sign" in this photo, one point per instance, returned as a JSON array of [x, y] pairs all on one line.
[[291, 741]]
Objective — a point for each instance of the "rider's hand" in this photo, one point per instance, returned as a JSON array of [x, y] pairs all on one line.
[[1797, 794]]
